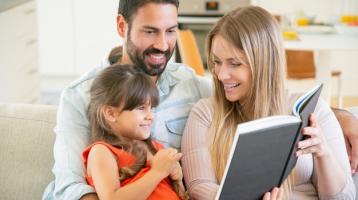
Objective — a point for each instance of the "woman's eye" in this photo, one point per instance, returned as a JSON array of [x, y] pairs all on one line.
[[216, 62], [236, 64]]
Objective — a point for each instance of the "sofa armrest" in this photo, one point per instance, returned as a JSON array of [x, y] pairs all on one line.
[[26, 147]]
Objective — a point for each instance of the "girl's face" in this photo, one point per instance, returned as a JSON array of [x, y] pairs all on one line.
[[231, 68], [136, 123]]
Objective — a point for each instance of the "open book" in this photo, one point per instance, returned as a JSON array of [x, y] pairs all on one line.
[[263, 151]]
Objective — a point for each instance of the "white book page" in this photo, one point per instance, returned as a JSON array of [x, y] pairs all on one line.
[[266, 122], [299, 101]]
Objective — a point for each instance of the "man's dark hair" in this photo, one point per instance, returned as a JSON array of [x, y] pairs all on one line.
[[128, 8]]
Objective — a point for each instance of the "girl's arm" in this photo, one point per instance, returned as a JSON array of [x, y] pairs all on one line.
[[102, 167]]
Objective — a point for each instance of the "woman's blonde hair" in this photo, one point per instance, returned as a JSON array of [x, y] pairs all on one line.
[[255, 32]]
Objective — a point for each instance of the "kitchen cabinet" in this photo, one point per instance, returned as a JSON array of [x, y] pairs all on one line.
[[75, 36], [19, 77]]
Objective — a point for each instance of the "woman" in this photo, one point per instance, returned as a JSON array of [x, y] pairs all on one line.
[[247, 61]]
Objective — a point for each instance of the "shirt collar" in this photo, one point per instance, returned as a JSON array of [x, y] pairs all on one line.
[[166, 80]]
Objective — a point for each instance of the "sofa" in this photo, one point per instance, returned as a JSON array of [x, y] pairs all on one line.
[[26, 145], [26, 150]]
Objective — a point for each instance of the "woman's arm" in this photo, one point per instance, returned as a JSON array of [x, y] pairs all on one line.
[[198, 172], [102, 167], [331, 173]]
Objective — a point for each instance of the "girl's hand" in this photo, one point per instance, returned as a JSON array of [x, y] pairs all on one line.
[[176, 174], [164, 161], [315, 143], [275, 194]]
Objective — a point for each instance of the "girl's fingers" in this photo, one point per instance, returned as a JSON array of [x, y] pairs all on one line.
[[178, 156]]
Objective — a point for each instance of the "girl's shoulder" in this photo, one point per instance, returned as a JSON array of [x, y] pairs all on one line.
[[123, 158]]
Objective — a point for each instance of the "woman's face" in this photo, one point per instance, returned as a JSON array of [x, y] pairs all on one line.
[[232, 69]]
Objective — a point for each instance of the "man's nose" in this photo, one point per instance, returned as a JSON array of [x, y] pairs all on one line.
[[161, 43]]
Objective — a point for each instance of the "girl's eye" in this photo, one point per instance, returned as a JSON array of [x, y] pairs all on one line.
[[141, 108]]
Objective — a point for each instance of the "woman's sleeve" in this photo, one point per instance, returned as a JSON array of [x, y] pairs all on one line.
[[197, 168], [334, 136]]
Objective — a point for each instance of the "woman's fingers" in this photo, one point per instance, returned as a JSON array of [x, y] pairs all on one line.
[[267, 196], [310, 150], [309, 142], [312, 120], [275, 194]]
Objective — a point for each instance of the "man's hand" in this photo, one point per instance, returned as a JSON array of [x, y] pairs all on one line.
[[89, 196], [349, 124]]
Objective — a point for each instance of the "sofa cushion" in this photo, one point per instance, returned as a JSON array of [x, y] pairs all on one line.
[[26, 146]]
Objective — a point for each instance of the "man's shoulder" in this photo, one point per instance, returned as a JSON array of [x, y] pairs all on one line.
[[183, 72], [87, 77], [180, 70], [77, 91]]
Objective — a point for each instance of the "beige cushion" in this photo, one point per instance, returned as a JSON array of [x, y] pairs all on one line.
[[26, 146]]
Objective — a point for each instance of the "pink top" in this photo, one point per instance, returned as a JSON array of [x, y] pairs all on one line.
[[199, 174]]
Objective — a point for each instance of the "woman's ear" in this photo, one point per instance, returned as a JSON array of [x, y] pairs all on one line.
[[122, 26], [110, 113]]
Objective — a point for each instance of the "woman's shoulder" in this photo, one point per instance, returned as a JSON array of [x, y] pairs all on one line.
[[205, 104], [204, 107]]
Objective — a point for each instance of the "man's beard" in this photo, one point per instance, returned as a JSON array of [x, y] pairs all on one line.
[[138, 58]]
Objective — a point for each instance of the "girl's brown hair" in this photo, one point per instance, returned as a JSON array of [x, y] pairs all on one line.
[[125, 87]]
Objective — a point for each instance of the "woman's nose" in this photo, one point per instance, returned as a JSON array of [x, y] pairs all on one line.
[[223, 73]]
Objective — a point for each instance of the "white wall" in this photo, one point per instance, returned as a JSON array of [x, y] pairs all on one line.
[[312, 7], [75, 35], [325, 10]]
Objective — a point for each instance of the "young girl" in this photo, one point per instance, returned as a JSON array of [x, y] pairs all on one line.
[[247, 61], [123, 162]]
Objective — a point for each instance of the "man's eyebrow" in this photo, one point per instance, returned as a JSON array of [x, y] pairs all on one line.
[[175, 26], [154, 28], [150, 27]]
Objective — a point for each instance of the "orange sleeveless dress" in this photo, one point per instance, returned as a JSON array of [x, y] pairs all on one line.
[[163, 190]]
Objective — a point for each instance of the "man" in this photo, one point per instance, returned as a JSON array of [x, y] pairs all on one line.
[[349, 124], [148, 29]]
